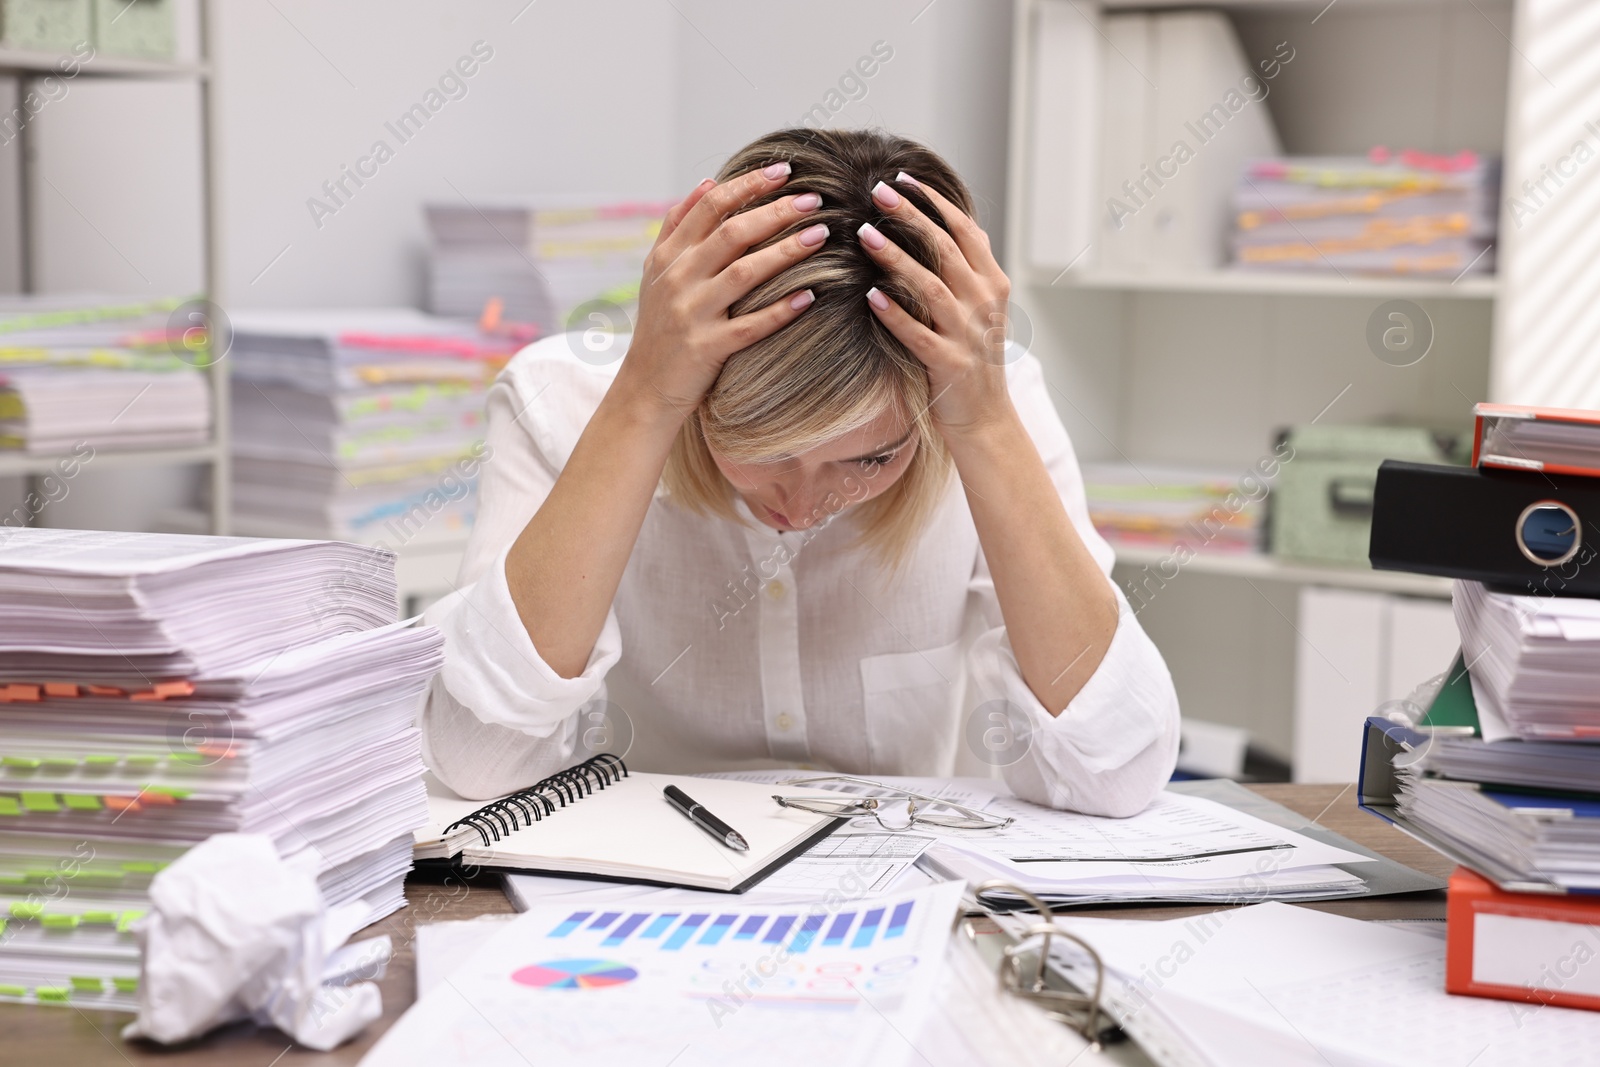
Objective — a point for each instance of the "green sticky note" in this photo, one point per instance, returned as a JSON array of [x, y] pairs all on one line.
[[139, 866], [126, 985], [88, 984], [99, 762], [26, 763], [96, 877], [98, 918], [59, 922], [39, 874], [26, 909], [60, 762], [53, 994], [174, 792], [13, 879], [195, 758], [142, 761], [40, 802], [1454, 705], [13, 991], [81, 801], [128, 919], [9, 806]]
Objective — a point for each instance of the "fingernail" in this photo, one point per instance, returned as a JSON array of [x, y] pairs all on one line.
[[807, 202], [885, 195], [877, 299], [908, 179], [704, 182], [871, 237], [776, 171], [814, 235], [801, 301]]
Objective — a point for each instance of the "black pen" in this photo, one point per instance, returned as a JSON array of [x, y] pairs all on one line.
[[704, 819]]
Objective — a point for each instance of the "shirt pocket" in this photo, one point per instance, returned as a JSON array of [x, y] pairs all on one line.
[[910, 700]]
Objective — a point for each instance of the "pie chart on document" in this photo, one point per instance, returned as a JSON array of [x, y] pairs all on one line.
[[574, 974]]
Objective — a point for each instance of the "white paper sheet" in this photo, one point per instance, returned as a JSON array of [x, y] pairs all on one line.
[[1280, 986], [631, 987]]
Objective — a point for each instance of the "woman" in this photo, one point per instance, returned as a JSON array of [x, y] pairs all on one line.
[[820, 514]]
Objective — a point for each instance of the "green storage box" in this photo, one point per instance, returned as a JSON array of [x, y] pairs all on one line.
[[142, 29], [1321, 503], [45, 25]]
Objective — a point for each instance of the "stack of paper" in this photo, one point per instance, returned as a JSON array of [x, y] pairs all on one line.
[[1180, 848], [360, 424], [85, 372], [1531, 764], [1522, 841], [1281, 986], [1535, 673], [1161, 507], [542, 262], [1387, 213], [158, 689]]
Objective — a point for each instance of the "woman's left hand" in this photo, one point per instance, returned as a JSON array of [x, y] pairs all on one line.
[[968, 301]]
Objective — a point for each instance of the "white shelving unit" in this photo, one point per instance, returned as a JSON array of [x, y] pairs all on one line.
[[25, 66], [1262, 567], [1205, 368], [1245, 283]]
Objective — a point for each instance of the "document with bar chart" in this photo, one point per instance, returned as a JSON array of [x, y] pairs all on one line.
[[833, 983]]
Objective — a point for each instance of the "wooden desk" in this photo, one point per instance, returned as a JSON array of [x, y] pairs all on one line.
[[36, 1035]]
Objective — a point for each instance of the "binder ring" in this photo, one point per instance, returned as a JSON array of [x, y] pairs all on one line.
[[1555, 539], [1079, 1010]]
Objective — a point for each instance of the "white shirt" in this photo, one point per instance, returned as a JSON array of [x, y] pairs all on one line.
[[734, 645]]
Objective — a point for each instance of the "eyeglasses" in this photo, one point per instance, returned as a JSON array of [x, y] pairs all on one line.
[[921, 809]]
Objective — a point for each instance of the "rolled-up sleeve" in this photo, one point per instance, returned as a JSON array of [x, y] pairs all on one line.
[[1115, 745], [498, 718]]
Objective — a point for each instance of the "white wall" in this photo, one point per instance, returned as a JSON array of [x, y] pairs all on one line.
[[614, 98], [623, 98]]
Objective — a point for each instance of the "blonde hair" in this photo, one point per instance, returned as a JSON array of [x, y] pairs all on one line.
[[836, 368]]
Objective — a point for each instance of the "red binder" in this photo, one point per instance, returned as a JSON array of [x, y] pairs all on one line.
[[1488, 416], [1518, 946]]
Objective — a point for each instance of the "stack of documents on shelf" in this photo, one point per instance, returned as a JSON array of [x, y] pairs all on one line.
[[1534, 663], [1280, 986], [1161, 507], [1406, 213], [157, 689], [360, 424], [543, 262], [87, 372]]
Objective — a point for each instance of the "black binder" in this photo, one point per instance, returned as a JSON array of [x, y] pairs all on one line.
[[1462, 522]]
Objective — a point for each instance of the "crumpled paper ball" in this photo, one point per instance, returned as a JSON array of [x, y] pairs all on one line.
[[234, 932]]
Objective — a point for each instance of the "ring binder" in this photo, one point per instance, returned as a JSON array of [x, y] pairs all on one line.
[[495, 820], [1083, 1012]]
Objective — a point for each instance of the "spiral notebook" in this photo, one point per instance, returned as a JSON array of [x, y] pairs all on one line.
[[599, 820]]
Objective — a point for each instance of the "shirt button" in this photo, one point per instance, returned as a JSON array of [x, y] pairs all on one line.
[[785, 721], [775, 589]]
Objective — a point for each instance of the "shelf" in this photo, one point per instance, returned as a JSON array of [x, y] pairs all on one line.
[[15, 61], [1271, 569], [15, 463], [1474, 287]]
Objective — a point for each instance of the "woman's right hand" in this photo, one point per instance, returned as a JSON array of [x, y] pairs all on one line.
[[697, 268]]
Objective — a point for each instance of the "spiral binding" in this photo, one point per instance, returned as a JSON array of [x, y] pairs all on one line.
[[494, 821]]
